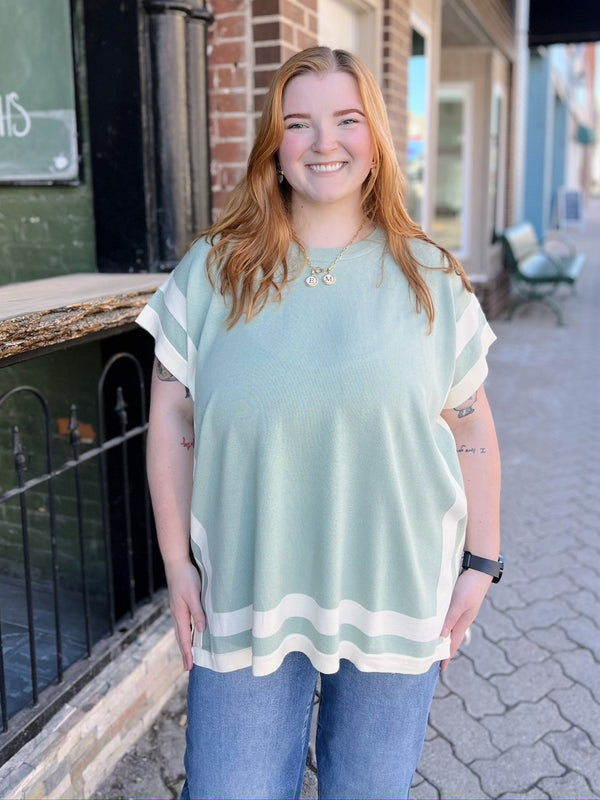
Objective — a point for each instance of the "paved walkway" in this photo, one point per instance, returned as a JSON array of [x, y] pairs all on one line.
[[517, 715]]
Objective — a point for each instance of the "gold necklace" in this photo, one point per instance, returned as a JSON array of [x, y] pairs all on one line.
[[328, 279]]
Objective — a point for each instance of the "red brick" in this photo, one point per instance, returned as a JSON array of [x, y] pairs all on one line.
[[269, 54], [263, 8], [305, 39], [287, 31], [266, 31], [292, 12], [228, 77], [229, 103], [231, 27], [262, 78], [232, 52], [232, 127], [230, 152], [219, 7]]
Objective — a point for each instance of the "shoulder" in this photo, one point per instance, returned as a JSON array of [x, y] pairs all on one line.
[[437, 270], [426, 253], [193, 264]]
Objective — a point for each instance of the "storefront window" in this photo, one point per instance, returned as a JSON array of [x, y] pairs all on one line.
[[496, 182], [417, 128], [451, 208]]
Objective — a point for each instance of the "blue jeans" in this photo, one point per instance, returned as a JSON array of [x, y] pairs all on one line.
[[247, 736]]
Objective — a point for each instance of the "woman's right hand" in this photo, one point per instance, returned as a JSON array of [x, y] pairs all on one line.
[[184, 583]]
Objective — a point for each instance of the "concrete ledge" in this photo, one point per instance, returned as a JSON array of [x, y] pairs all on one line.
[[90, 734]]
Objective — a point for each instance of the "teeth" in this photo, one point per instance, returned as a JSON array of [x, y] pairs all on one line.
[[326, 167]]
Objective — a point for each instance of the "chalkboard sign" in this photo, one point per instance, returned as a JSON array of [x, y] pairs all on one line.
[[570, 207], [38, 120]]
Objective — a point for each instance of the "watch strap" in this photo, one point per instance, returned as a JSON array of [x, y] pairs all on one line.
[[487, 565]]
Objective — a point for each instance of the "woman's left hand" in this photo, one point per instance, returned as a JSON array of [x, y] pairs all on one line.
[[467, 597]]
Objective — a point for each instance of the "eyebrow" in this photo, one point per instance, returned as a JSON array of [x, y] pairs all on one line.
[[344, 112]]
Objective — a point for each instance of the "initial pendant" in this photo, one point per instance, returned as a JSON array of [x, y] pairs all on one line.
[[328, 279], [312, 280]]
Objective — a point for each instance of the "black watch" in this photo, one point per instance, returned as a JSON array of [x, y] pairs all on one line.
[[487, 565]]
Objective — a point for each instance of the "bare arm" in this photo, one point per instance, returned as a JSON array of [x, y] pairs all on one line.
[[473, 428], [170, 458]]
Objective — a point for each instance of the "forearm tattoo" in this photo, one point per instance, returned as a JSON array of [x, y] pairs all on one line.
[[466, 408], [163, 374]]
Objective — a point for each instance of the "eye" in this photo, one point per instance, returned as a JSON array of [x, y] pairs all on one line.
[[295, 126], [349, 121]]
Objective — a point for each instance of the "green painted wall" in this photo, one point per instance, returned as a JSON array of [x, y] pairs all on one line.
[[49, 230]]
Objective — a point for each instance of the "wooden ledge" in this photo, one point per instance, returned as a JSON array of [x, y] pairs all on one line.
[[53, 312]]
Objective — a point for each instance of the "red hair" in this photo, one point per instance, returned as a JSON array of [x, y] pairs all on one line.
[[251, 238]]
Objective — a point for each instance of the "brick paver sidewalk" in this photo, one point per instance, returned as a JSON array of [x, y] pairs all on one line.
[[517, 715]]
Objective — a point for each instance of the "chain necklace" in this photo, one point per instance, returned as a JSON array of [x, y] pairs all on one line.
[[328, 279]]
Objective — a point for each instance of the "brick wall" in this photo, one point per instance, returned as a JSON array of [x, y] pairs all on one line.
[[247, 43], [396, 52], [230, 67], [280, 29]]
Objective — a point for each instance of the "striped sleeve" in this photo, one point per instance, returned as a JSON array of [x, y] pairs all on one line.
[[166, 318], [473, 339]]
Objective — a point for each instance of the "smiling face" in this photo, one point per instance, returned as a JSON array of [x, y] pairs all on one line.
[[327, 149]]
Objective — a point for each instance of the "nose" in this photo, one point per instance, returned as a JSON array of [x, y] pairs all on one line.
[[324, 140]]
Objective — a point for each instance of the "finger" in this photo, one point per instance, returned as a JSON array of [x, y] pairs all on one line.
[[184, 640], [452, 618], [198, 617], [183, 633]]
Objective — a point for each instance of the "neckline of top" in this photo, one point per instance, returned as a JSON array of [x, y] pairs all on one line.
[[356, 250]]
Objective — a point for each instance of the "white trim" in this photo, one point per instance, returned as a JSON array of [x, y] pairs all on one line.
[[368, 24], [463, 90]]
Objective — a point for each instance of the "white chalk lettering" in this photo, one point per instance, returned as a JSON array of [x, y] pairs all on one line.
[[14, 119]]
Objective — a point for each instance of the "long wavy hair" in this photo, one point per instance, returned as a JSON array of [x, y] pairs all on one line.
[[248, 260]]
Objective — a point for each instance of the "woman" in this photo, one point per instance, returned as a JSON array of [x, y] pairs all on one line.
[[318, 429]]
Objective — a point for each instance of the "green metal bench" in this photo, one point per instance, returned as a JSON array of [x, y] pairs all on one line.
[[538, 271]]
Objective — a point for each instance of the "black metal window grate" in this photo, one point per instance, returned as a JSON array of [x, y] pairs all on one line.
[[79, 565]]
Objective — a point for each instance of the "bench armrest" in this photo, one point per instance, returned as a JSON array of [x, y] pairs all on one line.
[[562, 240]]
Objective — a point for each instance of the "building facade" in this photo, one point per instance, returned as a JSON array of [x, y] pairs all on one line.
[[151, 108], [446, 71]]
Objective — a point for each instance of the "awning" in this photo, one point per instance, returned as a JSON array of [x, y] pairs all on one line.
[[562, 22]]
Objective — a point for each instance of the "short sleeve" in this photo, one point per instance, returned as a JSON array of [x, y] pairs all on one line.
[[174, 312], [473, 339]]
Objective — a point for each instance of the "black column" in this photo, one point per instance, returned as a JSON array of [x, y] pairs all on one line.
[[178, 76], [146, 66]]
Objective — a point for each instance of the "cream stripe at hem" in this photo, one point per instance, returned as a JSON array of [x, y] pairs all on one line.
[[323, 662]]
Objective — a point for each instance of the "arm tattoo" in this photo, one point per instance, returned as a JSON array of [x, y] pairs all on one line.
[[162, 373], [473, 451], [466, 408]]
